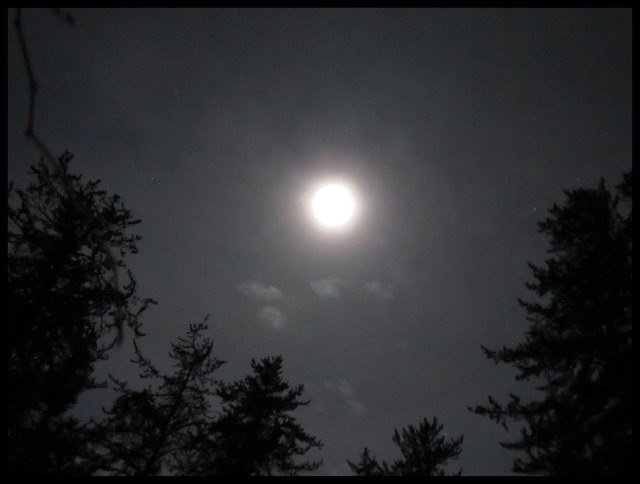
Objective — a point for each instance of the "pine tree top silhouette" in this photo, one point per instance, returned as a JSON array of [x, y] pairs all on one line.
[[61, 307], [256, 433], [425, 452], [577, 349], [151, 430]]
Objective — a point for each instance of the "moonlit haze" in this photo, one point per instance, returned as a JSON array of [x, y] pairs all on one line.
[[355, 190]]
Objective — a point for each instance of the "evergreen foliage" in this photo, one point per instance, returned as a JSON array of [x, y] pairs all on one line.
[[149, 431], [425, 452], [578, 345], [256, 434], [61, 310]]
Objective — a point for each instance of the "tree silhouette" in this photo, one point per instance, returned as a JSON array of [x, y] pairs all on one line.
[[578, 344], [61, 309], [255, 434], [65, 298], [424, 453], [150, 431]]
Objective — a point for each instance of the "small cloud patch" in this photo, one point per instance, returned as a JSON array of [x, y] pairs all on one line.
[[259, 291], [379, 289], [344, 387], [272, 316], [328, 287], [356, 408], [348, 394]]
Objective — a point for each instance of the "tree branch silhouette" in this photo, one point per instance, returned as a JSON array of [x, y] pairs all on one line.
[[45, 152]]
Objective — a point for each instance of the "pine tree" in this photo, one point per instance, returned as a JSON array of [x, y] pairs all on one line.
[[578, 346], [61, 310], [424, 453], [368, 465], [152, 431], [255, 434]]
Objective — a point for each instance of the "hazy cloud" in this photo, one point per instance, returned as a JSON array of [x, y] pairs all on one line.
[[357, 408], [341, 386], [328, 287], [379, 289], [272, 315], [260, 291], [344, 388]]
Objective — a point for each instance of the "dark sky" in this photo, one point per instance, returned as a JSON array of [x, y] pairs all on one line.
[[458, 129]]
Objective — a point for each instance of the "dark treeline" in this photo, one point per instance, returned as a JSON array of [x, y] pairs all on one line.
[[62, 305]]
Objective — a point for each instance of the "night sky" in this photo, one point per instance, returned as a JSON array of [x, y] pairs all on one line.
[[457, 129]]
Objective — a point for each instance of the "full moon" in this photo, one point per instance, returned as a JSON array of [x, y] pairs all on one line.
[[333, 205]]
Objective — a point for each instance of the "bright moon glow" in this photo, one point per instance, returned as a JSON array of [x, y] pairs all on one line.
[[333, 205]]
